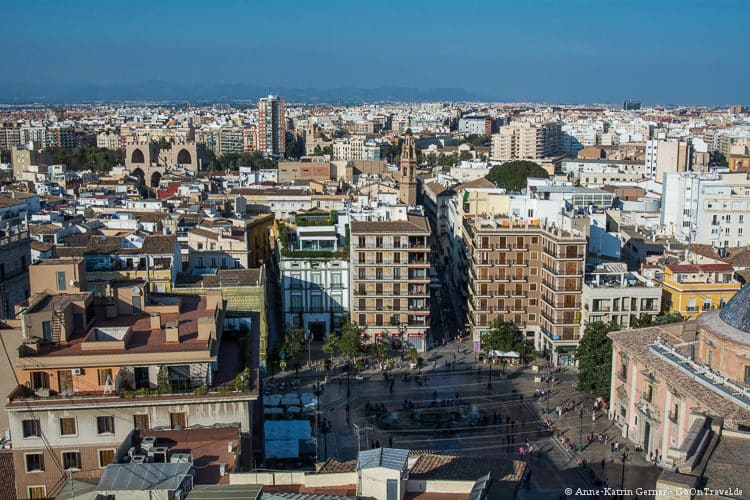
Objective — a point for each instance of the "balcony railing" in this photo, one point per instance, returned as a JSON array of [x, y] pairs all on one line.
[[245, 382]]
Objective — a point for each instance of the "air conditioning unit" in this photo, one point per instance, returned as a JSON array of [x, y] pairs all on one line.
[[76, 371]]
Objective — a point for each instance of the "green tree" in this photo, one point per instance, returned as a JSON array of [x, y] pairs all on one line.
[[646, 320], [503, 336], [464, 156], [348, 343], [294, 340], [475, 139], [719, 159], [512, 175], [594, 356]]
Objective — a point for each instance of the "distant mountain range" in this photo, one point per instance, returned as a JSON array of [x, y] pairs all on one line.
[[161, 91]]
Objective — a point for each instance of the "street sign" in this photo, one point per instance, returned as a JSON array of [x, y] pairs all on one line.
[[477, 346]]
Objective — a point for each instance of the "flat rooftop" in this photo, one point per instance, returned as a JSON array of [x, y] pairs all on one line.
[[208, 447], [143, 339]]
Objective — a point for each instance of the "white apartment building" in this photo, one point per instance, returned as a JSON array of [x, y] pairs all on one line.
[[109, 140], [709, 208], [597, 173], [314, 273], [355, 149], [611, 293], [474, 125]]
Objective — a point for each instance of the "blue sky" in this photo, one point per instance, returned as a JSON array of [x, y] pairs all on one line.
[[662, 51]]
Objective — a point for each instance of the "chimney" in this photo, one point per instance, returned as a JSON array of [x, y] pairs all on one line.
[[156, 321], [206, 327], [172, 331]]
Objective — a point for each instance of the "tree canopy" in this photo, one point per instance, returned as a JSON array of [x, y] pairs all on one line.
[[504, 337], [348, 343], [512, 175], [594, 356], [294, 340], [88, 157], [476, 139], [646, 320], [232, 161]]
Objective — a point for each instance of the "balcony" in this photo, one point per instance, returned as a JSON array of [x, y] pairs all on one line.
[[519, 279], [176, 391]]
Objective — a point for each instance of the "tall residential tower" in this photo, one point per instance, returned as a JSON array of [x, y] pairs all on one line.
[[271, 139]]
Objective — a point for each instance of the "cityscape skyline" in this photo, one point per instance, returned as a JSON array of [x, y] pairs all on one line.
[[561, 53]]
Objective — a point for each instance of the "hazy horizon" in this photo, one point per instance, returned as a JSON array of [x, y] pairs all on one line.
[[578, 51]]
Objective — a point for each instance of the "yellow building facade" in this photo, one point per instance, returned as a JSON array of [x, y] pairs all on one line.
[[691, 289]]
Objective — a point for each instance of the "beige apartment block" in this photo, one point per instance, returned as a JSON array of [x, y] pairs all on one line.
[[390, 280]]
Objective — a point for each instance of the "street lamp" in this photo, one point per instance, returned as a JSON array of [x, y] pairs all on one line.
[[489, 382], [348, 391], [318, 423], [309, 341]]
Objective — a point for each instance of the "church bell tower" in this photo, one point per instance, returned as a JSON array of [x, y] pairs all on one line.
[[408, 179]]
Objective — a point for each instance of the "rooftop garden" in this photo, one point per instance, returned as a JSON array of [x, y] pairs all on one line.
[[342, 253], [317, 219]]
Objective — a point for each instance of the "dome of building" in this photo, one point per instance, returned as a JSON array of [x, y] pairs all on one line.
[[736, 312]]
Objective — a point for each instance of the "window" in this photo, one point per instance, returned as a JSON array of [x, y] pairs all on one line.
[[178, 420], [316, 302], [32, 428], [747, 374], [675, 413], [65, 381], [39, 380], [649, 394], [624, 370], [37, 492], [46, 330], [61, 281], [691, 305], [396, 273], [105, 376], [71, 460], [105, 424], [68, 426], [296, 301], [106, 457], [335, 279], [34, 462], [141, 421]]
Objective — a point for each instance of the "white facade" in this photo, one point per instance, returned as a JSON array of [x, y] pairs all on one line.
[[315, 293], [472, 125], [612, 294], [714, 206]]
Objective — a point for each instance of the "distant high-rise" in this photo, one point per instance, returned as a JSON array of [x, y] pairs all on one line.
[[271, 128], [408, 181], [631, 105]]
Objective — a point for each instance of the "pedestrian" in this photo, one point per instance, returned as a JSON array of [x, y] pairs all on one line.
[[606, 483], [377, 444], [593, 416], [603, 463]]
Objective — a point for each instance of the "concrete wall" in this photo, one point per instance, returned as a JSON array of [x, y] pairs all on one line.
[[436, 486], [309, 480]]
